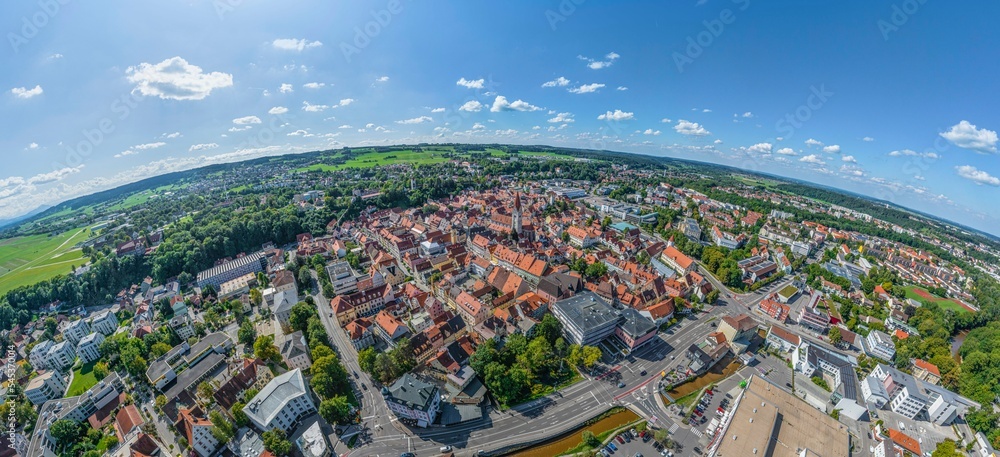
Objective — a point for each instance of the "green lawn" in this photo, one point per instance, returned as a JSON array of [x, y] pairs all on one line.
[[26, 260], [83, 379], [378, 159], [944, 303]]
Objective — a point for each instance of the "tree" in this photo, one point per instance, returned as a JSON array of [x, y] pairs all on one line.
[[206, 392], [101, 370], [277, 442], [549, 328], [329, 378], [305, 278], [836, 338], [247, 333], [160, 401], [366, 359], [265, 349], [158, 349], [947, 448], [64, 431], [222, 429], [239, 417], [712, 296], [590, 439], [322, 351], [336, 410], [256, 297], [585, 356], [300, 314]]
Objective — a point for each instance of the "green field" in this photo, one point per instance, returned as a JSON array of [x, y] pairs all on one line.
[[378, 159], [944, 303], [83, 379], [26, 260]]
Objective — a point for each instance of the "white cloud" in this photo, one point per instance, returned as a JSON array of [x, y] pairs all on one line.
[[617, 115], [812, 142], [977, 176], [176, 79], [171, 135], [786, 152], [537, 127], [746, 115], [912, 153], [300, 132], [416, 120], [562, 118], [832, 149], [54, 175], [129, 152], [147, 146], [622, 88], [852, 170], [24, 92], [56, 56], [666, 120], [812, 158], [472, 106], [478, 126], [33, 145], [382, 79], [761, 148], [294, 44], [651, 132], [346, 126], [246, 120], [595, 64], [202, 147], [277, 110], [286, 88], [313, 85], [850, 159], [585, 88], [309, 107], [868, 139], [965, 135], [717, 141], [239, 129], [438, 110], [558, 82], [501, 104], [471, 84], [346, 101], [690, 128]]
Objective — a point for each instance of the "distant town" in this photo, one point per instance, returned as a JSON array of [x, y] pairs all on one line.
[[501, 301]]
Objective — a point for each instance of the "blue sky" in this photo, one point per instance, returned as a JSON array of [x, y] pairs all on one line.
[[890, 99]]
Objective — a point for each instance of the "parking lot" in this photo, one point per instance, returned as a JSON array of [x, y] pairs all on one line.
[[635, 447]]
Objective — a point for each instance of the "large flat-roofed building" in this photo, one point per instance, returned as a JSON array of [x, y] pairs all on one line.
[[89, 348], [76, 409], [39, 356], [44, 387], [586, 318], [104, 322], [181, 358], [887, 387], [215, 276], [62, 355], [76, 330], [767, 421], [282, 403], [879, 344]]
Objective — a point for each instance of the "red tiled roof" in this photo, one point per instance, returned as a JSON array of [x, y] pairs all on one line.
[[922, 364], [904, 441]]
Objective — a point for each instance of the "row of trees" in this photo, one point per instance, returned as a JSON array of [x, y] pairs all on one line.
[[386, 367]]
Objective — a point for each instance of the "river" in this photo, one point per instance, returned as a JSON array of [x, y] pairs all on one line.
[[573, 438]]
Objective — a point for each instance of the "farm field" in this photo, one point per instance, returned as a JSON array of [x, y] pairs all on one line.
[[922, 295], [376, 159], [29, 259]]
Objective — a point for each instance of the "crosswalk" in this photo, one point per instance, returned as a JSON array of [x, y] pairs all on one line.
[[673, 428], [696, 432]]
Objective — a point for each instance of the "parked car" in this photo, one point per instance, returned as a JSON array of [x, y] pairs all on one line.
[[620, 439], [613, 447]]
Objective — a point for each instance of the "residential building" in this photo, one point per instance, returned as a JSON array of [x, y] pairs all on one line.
[[926, 371], [586, 318], [413, 398], [768, 421], [739, 330], [778, 311], [313, 442], [389, 328], [182, 325], [75, 331], [104, 322], [99, 397], [676, 260], [205, 355], [879, 344], [194, 425], [281, 403], [61, 356], [283, 303], [127, 421], [89, 348], [812, 360], [232, 269], [295, 351], [39, 356], [44, 387], [782, 340], [360, 333]]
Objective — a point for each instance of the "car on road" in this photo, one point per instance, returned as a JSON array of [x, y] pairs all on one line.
[[364, 387], [445, 449], [642, 373], [407, 454], [621, 384]]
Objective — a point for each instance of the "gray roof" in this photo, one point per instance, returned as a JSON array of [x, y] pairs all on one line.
[[294, 345], [412, 392], [284, 300], [587, 311], [89, 338], [263, 408], [635, 324]]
